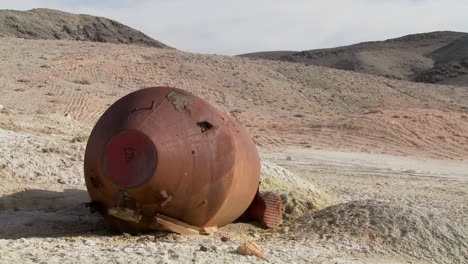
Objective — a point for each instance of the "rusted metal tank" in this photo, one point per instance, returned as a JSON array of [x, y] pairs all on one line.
[[162, 154]]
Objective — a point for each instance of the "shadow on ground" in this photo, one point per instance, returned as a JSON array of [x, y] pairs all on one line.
[[44, 213]]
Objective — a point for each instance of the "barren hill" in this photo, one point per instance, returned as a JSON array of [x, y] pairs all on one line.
[[281, 103], [54, 24], [418, 57], [451, 64], [387, 154]]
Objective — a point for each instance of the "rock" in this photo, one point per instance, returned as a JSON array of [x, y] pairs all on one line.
[[127, 250], [255, 235], [250, 249], [284, 230], [2, 107], [208, 230], [203, 248], [224, 238]]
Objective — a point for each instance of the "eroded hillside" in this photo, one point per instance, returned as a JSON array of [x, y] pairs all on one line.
[[44, 23], [281, 103]]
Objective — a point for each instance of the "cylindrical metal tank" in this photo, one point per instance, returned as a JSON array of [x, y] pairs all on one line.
[[164, 151]]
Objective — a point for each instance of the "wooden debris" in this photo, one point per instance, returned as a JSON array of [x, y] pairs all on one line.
[[166, 223], [208, 230]]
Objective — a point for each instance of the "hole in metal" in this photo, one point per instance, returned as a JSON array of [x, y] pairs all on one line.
[[204, 125]]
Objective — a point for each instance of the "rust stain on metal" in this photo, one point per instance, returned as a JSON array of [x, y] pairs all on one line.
[[148, 108], [95, 182], [147, 171]]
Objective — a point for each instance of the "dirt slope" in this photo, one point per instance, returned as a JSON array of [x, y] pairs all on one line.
[[54, 24], [402, 58], [281, 103], [400, 227]]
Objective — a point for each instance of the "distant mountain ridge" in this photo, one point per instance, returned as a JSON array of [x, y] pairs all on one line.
[[451, 63], [435, 57], [54, 24]]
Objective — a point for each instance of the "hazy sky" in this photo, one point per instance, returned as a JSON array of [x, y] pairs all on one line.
[[241, 26]]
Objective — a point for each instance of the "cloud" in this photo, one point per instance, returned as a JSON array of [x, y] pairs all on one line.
[[233, 27]]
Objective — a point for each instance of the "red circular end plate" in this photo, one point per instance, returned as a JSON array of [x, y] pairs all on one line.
[[130, 159]]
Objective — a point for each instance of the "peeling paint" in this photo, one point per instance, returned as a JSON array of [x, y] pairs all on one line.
[[180, 101]]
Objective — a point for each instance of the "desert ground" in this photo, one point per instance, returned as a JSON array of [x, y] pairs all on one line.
[[370, 169]]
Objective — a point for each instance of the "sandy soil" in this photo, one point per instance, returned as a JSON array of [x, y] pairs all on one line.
[[371, 170]]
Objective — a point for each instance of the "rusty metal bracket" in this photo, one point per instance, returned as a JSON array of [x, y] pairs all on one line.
[[127, 209], [266, 208]]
